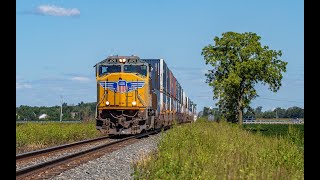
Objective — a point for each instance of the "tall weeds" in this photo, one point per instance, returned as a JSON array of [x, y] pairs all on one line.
[[206, 150], [39, 135]]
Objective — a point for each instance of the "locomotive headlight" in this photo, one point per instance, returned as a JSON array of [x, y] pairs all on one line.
[[134, 103], [122, 60], [107, 103]]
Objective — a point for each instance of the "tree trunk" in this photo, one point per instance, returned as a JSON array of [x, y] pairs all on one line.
[[240, 110], [240, 116]]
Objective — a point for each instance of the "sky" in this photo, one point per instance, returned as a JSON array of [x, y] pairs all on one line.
[[58, 43]]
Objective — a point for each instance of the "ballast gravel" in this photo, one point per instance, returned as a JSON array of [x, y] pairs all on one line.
[[116, 165]]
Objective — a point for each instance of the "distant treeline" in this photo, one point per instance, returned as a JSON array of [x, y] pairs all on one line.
[[292, 112], [82, 111]]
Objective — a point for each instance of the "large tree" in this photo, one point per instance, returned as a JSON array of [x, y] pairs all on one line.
[[239, 62], [295, 112]]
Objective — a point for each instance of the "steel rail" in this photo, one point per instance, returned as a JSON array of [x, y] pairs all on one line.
[[46, 150]]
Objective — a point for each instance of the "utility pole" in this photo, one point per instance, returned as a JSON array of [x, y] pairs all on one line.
[[275, 109], [61, 109], [35, 116]]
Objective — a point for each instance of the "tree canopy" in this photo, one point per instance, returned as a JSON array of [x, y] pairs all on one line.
[[82, 111], [291, 112], [239, 62]]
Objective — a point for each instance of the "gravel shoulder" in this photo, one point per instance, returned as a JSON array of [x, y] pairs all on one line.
[[116, 165]]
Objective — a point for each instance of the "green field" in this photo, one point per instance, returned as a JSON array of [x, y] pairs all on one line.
[[209, 150], [293, 132], [31, 136]]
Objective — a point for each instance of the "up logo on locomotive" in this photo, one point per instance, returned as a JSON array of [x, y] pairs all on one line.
[[122, 86]]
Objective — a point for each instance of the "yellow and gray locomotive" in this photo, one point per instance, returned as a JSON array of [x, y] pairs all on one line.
[[136, 95]]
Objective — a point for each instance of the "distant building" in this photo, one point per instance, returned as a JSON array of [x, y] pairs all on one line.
[[296, 121], [73, 114], [17, 116], [249, 119], [43, 116]]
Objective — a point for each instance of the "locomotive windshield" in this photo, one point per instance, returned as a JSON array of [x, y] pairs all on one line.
[[141, 69], [104, 69]]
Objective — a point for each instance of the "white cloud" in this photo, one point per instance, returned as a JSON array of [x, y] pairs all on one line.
[[81, 79], [53, 10], [22, 86]]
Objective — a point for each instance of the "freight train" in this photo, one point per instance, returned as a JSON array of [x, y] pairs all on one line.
[[136, 95]]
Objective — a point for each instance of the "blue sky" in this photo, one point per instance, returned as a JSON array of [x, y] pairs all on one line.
[[58, 43]]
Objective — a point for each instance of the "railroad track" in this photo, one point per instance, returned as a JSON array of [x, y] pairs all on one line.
[[56, 166], [33, 154]]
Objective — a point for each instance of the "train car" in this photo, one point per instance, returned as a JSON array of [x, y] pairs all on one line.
[[136, 95]]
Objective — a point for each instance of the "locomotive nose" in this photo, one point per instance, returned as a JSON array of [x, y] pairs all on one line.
[[123, 90]]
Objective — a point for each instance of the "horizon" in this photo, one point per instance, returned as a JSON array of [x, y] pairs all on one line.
[[72, 104]]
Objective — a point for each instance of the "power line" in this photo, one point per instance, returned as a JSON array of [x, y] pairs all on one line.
[[280, 100], [61, 108]]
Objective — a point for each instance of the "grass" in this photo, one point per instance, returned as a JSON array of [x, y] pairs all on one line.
[[292, 132], [31, 136], [209, 150]]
